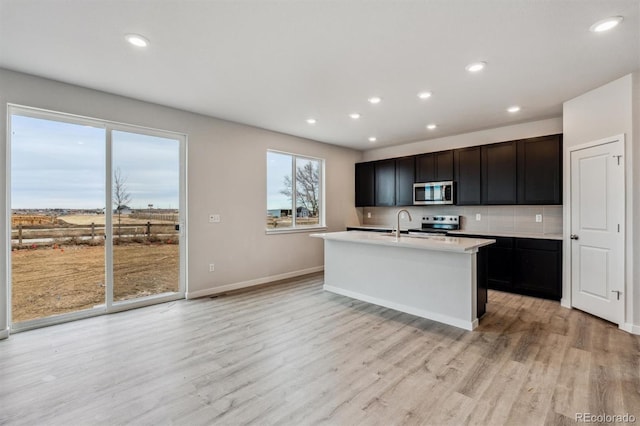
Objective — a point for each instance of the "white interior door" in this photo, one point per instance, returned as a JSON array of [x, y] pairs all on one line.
[[597, 230]]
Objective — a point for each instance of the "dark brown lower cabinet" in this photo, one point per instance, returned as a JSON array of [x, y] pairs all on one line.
[[539, 268], [528, 266], [481, 285], [500, 264]]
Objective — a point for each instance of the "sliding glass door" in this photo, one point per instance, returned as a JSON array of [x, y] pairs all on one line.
[[146, 215], [57, 194], [97, 217]]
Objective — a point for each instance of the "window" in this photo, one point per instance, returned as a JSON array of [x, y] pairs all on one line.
[[294, 191]]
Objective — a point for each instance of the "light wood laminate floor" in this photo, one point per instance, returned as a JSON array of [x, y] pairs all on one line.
[[293, 354]]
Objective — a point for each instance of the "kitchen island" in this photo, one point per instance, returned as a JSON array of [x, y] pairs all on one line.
[[434, 277]]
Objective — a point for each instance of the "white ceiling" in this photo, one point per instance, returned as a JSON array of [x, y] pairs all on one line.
[[273, 64]]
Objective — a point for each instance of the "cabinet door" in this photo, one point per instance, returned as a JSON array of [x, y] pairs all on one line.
[[500, 269], [385, 183], [405, 172], [539, 268], [444, 165], [481, 277], [425, 168], [468, 176], [540, 170], [365, 184], [499, 173]]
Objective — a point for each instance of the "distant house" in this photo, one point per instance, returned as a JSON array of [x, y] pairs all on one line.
[[302, 212], [279, 212], [123, 210]]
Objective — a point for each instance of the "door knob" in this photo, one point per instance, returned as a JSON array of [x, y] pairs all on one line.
[[574, 237]]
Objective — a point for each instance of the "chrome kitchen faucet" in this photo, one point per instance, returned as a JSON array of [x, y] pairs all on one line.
[[398, 221]]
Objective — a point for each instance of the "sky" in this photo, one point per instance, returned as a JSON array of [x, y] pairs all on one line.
[[278, 166], [62, 165]]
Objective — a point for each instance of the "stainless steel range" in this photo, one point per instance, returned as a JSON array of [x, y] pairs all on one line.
[[438, 224]]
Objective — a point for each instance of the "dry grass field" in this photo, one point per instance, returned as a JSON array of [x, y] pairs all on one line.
[[60, 279]]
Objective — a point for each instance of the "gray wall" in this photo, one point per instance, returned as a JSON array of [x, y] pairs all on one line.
[[608, 111], [226, 175]]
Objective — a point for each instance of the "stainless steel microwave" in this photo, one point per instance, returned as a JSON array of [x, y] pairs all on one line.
[[433, 193]]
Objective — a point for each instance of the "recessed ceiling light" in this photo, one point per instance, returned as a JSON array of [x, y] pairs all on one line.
[[374, 100], [354, 115], [372, 139], [513, 109], [476, 66], [424, 95], [431, 126], [137, 40], [311, 121], [606, 24]]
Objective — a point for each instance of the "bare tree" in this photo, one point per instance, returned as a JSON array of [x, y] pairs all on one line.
[[307, 187], [121, 195]]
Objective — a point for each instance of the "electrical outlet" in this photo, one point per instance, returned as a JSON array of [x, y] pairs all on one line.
[[214, 218], [212, 267], [368, 215], [538, 218], [478, 217]]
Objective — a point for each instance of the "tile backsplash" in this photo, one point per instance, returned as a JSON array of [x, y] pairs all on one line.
[[516, 219]]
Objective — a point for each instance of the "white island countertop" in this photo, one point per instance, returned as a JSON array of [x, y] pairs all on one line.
[[438, 243]]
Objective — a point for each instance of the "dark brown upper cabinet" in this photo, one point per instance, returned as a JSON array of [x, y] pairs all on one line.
[[365, 184], [434, 167], [468, 175], [540, 170], [528, 171], [405, 172], [499, 173], [385, 183]]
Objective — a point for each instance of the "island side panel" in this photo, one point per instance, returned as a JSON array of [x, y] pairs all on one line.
[[432, 284]]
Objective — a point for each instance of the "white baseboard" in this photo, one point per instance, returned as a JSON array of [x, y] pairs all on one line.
[[446, 319], [251, 283], [4, 333], [630, 328]]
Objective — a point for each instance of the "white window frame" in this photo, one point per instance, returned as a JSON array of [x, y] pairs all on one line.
[[321, 195]]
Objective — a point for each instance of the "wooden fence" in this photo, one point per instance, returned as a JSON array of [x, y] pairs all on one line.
[[92, 231]]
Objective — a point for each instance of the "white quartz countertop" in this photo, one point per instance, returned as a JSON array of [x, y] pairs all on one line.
[[469, 232], [440, 243], [511, 234], [378, 227]]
